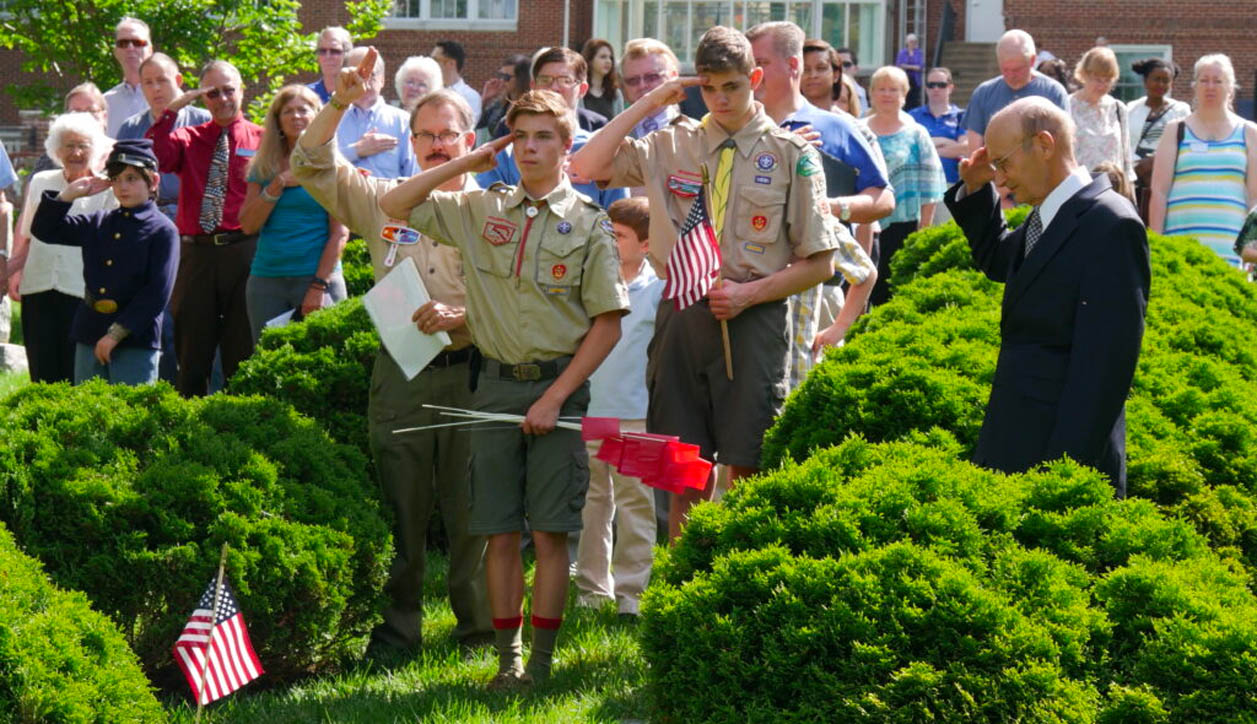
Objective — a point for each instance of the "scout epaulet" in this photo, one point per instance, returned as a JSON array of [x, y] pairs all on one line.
[[587, 201]]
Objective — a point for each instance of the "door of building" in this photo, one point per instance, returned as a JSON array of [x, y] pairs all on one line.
[[984, 20]]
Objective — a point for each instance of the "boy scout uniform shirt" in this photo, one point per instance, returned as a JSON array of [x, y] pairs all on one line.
[[352, 197], [534, 283], [776, 207]]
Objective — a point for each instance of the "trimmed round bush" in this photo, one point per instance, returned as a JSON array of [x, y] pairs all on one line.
[[127, 494], [894, 582], [355, 263], [60, 661]]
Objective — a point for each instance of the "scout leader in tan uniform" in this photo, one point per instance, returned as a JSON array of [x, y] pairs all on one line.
[[417, 470], [544, 300], [776, 239]]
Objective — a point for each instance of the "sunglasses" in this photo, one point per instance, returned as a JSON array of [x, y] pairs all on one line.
[[329, 51], [937, 84], [225, 91], [848, 64], [648, 79], [130, 43]]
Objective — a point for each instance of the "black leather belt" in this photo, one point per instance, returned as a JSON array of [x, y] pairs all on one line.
[[527, 371], [449, 358], [224, 238]]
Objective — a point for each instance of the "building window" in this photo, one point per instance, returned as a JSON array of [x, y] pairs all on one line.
[[856, 24], [1129, 84], [489, 15]]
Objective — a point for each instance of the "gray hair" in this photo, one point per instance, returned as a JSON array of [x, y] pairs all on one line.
[[423, 63], [221, 66], [1015, 41], [341, 35], [84, 124], [1223, 62], [128, 20], [1038, 114]]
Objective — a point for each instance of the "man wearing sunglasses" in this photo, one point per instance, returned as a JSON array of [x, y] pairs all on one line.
[[646, 65], [333, 45], [132, 46], [416, 470], [210, 159]]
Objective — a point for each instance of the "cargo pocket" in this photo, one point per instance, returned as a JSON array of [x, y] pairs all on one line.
[[580, 480]]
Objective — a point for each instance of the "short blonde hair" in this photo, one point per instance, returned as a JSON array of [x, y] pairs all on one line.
[[892, 73], [1099, 62], [642, 47], [543, 103]]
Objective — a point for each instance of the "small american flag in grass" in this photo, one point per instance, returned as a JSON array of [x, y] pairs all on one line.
[[221, 636], [694, 262]]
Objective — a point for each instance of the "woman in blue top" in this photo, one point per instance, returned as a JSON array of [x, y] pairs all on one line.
[[297, 263]]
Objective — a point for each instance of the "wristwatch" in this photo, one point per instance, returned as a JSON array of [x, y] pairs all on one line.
[[338, 105], [844, 210]]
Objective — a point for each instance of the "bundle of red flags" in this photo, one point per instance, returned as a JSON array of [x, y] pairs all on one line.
[[661, 461]]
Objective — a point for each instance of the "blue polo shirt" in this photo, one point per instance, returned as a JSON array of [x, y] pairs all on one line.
[[949, 125], [842, 143]]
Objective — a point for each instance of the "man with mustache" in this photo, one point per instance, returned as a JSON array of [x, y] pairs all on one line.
[[209, 159], [417, 469]]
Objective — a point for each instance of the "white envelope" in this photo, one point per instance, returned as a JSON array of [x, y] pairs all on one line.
[[390, 304]]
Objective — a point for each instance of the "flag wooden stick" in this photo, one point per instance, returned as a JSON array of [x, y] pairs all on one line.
[[724, 323], [218, 593]]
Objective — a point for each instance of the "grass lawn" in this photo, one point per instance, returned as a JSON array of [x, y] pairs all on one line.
[[11, 382], [598, 677]]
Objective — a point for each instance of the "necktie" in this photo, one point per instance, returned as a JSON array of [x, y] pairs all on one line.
[[215, 187], [1034, 230], [720, 185]]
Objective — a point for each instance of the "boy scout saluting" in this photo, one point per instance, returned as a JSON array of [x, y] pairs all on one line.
[[769, 212], [419, 468], [544, 300]]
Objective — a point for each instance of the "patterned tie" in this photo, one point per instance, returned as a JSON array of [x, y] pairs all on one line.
[[1034, 230], [720, 185], [215, 187]]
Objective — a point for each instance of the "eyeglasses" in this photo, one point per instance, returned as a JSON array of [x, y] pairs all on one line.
[[549, 81], [848, 64], [329, 51], [1000, 163], [936, 84], [503, 76], [647, 78], [446, 137], [130, 43], [214, 93]]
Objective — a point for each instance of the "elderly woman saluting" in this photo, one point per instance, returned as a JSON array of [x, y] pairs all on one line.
[[48, 279]]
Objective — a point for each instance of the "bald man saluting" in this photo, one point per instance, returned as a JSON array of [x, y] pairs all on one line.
[[1076, 280]]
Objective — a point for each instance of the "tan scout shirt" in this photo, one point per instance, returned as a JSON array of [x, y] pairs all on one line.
[[776, 195], [354, 199], [534, 283]]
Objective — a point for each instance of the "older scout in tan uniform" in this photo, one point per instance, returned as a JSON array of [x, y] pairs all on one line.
[[544, 300], [776, 239], [417, 470]]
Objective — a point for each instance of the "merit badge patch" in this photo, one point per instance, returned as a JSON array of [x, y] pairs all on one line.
[[606, 226], [759, 223], [807, 165], [685, 184], [754, 248], [822, 207], [498, 231], [765, 161], [558, 271], [564, 227], [763, 179]]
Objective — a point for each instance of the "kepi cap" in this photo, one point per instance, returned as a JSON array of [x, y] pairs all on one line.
[[136, 152]]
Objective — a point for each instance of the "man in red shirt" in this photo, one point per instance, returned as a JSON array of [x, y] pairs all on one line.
[[210, 159]]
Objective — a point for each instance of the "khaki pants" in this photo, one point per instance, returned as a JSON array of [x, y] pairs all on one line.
[[419, 471], [620, 571]]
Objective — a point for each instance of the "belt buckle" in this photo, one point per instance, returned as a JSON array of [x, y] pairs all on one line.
[[105, 306], [220, 239], [527, 372]]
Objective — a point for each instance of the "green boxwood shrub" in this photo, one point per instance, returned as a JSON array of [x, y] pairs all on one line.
[[321, 366], [60, 661], [127, 494], [893, 582], [355, 263]]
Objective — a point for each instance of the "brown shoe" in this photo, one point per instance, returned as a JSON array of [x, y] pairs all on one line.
[[509, 680]]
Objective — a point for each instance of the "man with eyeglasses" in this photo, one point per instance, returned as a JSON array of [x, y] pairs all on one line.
[[646, 65], [209, 159], [372, 133], [333, 45], [132, 46], [416, 470], [561, 71]]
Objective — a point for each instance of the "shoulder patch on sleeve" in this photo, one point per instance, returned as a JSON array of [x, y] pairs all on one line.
[[604, 223], [809, 163]]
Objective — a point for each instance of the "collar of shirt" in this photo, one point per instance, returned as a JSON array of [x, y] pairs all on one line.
[[644, 277], [560, 199], [1076, 181], [355, 109], [142, 213], [746, 136]]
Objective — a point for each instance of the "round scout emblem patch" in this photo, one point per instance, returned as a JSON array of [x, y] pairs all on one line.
[[564, 227], [558, 271], [759, 223], [765, 162]]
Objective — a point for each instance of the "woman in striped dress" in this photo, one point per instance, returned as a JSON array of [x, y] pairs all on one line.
[[1204, 185]]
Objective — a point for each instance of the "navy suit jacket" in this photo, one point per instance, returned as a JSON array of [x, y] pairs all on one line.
[[1070, 328]]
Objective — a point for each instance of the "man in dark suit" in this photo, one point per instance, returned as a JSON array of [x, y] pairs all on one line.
[[1076, 280]]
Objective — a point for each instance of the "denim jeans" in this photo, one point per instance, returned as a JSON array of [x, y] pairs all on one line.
[[127, 365]]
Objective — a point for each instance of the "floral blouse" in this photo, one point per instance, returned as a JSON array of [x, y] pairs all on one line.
[[1101, 134]]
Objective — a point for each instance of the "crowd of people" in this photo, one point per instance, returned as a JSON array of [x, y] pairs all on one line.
[[542, 213]]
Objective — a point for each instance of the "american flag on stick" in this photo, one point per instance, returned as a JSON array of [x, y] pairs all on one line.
[[694, 263], [214, 647]]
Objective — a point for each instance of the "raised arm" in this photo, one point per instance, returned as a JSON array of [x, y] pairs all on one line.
[[595, 159], [398, 202]]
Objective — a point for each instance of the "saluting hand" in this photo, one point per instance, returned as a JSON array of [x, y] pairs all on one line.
[[85, 186], [671, 93], [485, 158], [186, 99], [977, 171]]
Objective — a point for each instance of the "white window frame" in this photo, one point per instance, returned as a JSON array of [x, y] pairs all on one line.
[[1142, 50], [471, 23]]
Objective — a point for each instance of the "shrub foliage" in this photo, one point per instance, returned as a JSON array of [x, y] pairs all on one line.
[[60, 661], [127, 494]]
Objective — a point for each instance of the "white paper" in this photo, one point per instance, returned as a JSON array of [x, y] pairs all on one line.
[[281, 320], [390, 304]]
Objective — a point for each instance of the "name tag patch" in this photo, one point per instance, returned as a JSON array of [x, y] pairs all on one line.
[[685, 184], [763, 179], [246, 152], [498, 231], [754, 248], [556, 291]]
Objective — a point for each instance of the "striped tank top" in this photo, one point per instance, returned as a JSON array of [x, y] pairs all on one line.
[[1208, 199]]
